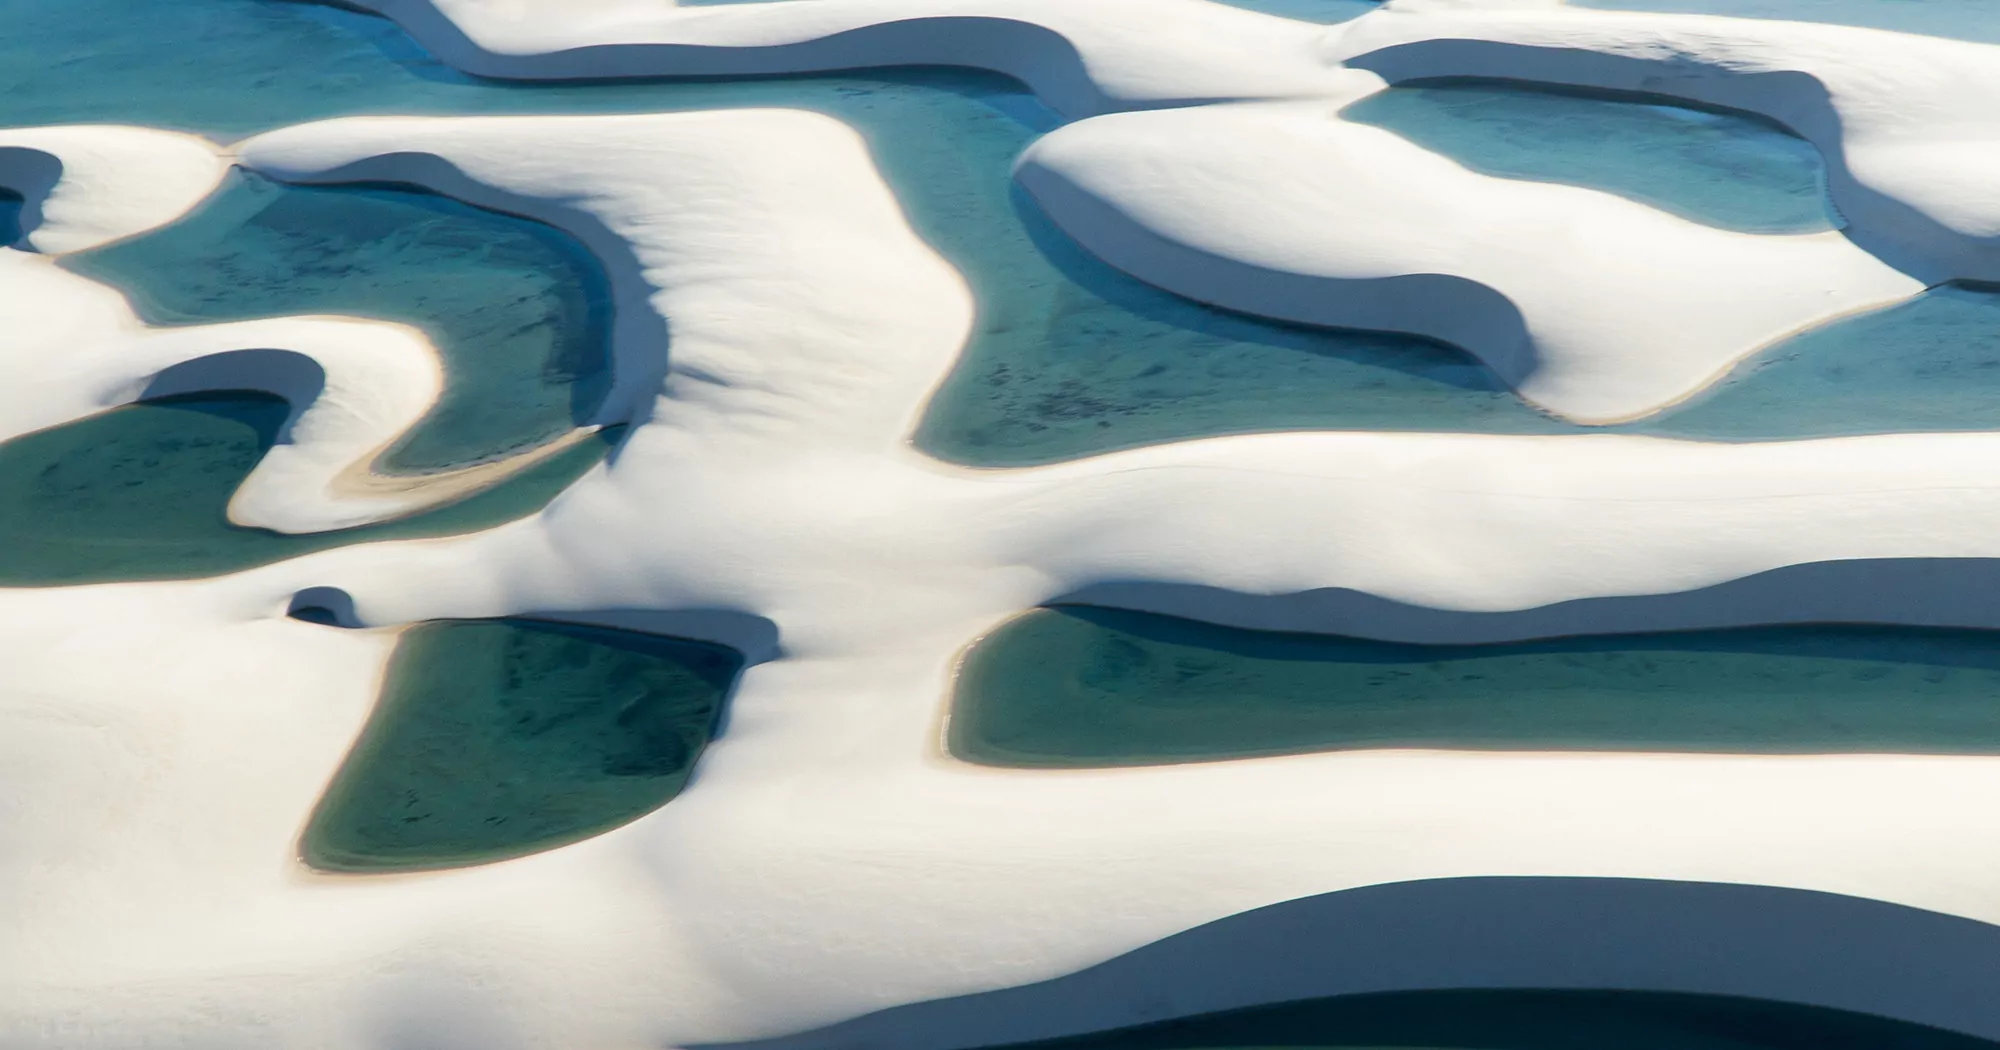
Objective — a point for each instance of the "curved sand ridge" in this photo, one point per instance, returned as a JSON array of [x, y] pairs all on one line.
[[80, 348], [1904, 121], [1078, 56], [1594, 307], [827, 860], [89, 186]]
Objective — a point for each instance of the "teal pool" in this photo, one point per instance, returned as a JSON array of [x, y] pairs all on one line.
[[1721, 169], [496, 738], [519, 311], [1079, 686], [1323, 11], [141, 493], [1529, 1020], [1976, 20]]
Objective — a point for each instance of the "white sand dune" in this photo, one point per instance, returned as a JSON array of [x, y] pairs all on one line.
[[165, 742], [87, 186]]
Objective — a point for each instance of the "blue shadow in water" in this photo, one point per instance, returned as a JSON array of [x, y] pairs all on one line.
[[519, 311], [10, 217], [1833, 973]]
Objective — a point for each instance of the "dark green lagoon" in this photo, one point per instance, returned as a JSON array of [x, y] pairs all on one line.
[[497, 738], [519, 311], [141, 493], [1528, 1020], [1079, 686]]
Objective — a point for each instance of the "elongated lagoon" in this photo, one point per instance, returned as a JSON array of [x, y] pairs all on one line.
[[495, 738], [1078, 686]]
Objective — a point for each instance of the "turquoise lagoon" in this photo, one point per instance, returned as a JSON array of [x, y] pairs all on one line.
[[1528, 1020], [1975, 20], [495, 738], [1324, 11], [1079, 686], [141, 493], [1071, 357]]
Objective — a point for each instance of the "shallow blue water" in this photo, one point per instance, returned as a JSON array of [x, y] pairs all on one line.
[[1977, 20], [519, 311], [1077, 686], [1324, 11], [1932, 363], [495, 738], [1725, 170], [1531, 1019]]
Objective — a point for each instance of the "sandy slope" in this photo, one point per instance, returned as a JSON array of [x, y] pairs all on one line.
[[165, 742]]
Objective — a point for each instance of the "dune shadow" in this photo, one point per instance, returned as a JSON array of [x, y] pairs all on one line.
[[287, 374], [1411, 354], [1901, 965], [27, 177]]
